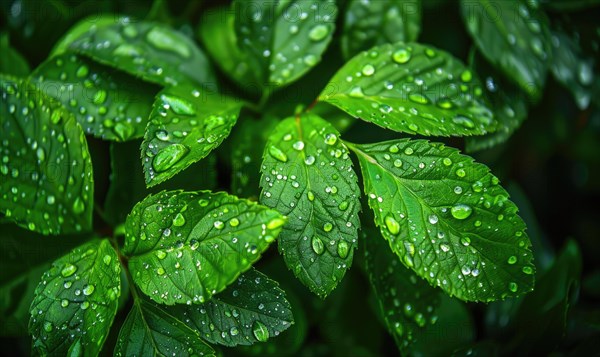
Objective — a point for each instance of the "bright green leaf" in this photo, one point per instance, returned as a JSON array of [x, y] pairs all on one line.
[[252, 309], [177, 243], [307, 175], [572, 68], [150, 331], [406, 302], [45, 173], [411, 88], [447, 218], [24, 257], [106, 103], [514, 37], [369, 24], [76, 301], [508, 103], [11, 61], [151, 51], [186, 124]]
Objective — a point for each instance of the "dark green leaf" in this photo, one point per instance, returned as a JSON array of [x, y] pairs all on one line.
[[572, 68], [447, 218], [406, 302], [24, 257], [106, 103], [514, 37], [150, 331], [547, 306], [76, 301], [252, 309], [368, 24], [127, 185], [46, 173], [411, 88], [151, 51], [508, 102], [186, 124], [307, 175], [178, 242], [11, 61], [81, 28]]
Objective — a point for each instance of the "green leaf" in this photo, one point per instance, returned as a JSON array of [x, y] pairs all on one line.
[[127, 185], [508, 103], [368, 24], [514, 37], [177, 243], [186, 124], [411, 88], [81, 28], [11, 61], [151, 51], [106, 103], [150, 331], [46, 173], [406, 302], [252, 309], [76, 301], [572, 68], [24, 257], [307, 175], [447, 218]]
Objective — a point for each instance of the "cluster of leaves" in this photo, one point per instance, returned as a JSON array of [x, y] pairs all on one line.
[[440, 221]]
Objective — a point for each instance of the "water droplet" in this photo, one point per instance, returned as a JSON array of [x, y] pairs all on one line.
[[234, 222], [327, 227], [310, 60], [85, 305], [178, 105], [82, 71], [179, 220], [512, 259], [275, 223], [88, 289], [107, 259], [356, 92], [368, 70], [418, 98], [401, 56], [397, 163], [392, 225], [463, 121], [444, 247], [317, 245], [408, 151], [68, 270], [277, 153], [160, 254], [413, 126], [330, 139], [513, 287], [343, 249], [48, 327], [433, 219], [311, 196], [343, 206], [318, 32], [234, 331], [168, 156], [461, 211], [162, 135], [309, 160], [219, 224], [461, 173], [260, 331], [466, 76], [160, 271], [64, 303], [528, 270], [447, 161], [298, 145], [41, 154]]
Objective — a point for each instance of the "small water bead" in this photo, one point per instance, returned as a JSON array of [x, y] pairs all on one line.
[[408, 151], [317, 245], [100, 97], [433, 219], [160, 254], [310, 195], [394, 149], [444, 247], [397, 163], [41, 154], [343, 249], [461, 211], [447, 161], [178, 220], [392, 225], [234, 222], [401, 56], [465, 270], [318, 32], [276, 153], [160, 271], [466, 76], [275, 223], [64, 303], [219, 224], [418, 98], [68, 270], [413, 127], [368, 70], [107, 259], [458, 190], [327, 227], [356, 92], [234, 331], [343, 206], [310, 60], [85, 305], [298, 145], [466, 241], [309, 160], [88, 289], [82, 71], [330, 139], [260, 331], [50, 200], [461, 173], [512, 259], [513, 287], [527, 270]]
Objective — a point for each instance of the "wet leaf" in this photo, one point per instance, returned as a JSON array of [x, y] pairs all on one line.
[[448, 219], [411, 88], [186, 124], [150, 331], [368, 24], [252, 309], [514, 37], [76, 301], [45, 170], [177, 243], [308, 176], [107, 103]]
